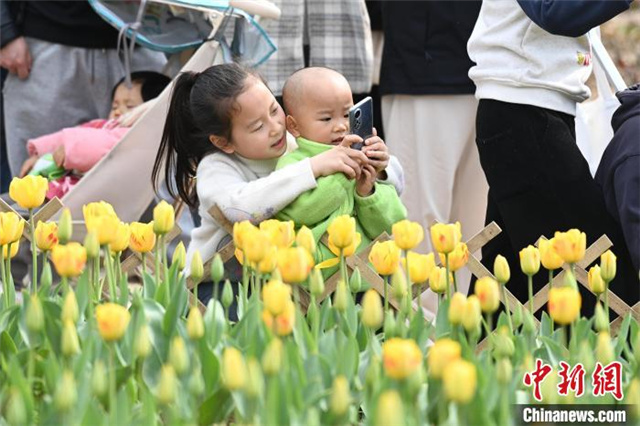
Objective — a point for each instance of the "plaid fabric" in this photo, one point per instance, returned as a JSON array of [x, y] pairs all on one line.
[[339, 36]]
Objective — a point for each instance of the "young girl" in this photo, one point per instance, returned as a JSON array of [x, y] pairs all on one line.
[[225, 129]]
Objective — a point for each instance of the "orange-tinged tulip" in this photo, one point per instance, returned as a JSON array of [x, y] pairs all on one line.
[[46, 235], [443, 352], [342, 231], [281, 234], [14, 250], [143, 239], [350, 249], [608, 266], [112, 320], [564, 304], [401, 358], [255, 245], [530, 260], [445, 237], [275, 296], [457, 258], [570, 245], [11, 227], [596, 283], [420, 266], [385, 257], [281, 324], [293, 264], [548, 255], [121, 239], [488, 293], [407, 235], [69, 259], [460, 381], [304, 238], [29, 191], [164, 218]]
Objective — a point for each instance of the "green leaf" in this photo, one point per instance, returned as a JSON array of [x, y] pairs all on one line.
[[216, 408], [442, 319], [214, 322], [82, 291], [149, 289], [176, 306], [7, 346], [622, 335], [210, 368]]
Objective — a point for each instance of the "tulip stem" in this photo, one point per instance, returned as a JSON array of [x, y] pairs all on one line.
[[157, 259], [34, 253], [65, 285], [112, 385], [446, 265], [409, 287], [506, 304], [110, 273], [530, 287], [455, 282], [550, 278], [96, 278], [5, 281], [386, 296], [144, 266]]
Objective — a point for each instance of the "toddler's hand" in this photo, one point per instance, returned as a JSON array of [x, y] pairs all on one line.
[[366, 181], [376, 151], [28, 165], [58, 156], [338, 160]]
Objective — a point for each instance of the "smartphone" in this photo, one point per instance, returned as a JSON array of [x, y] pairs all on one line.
[[361, 121]]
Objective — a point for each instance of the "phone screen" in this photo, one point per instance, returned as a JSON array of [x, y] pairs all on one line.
[[361, 120]]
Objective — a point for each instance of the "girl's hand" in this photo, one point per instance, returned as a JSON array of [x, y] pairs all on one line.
[[339, 159], [366, 181], [376, 151]]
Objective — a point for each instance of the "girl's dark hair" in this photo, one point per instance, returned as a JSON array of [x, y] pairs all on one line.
[[201, 105], [151, 83]]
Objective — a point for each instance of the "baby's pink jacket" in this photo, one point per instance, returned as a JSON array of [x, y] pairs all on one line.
[[84, 145]]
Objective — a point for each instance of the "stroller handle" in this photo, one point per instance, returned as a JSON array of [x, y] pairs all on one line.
[[263, 8]]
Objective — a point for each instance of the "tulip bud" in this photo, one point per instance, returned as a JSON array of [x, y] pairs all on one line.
[[178, 356], [15, 410], [530, 260], [197, 269], [217, 268], [549, 388], [195, 324], [516, 316], [636, 348], [234, 369], [276, 275], [504, 371], [585, 356], [92, 245], [600, 319], [179, 256], [632, 397], [47, 277], [227, 294], [501, 269], [596, 283], [355, 281], [399, 284], [142, 344], [312, 313], [569, 280], [196, 383], [340, 297], [340, 396], [70, 345], [163, 218], [372, 313], [255, 384], [389, 410], [456, 308], [604, 349], [389, 326], [529, 324], [34, 316], [503, 346], [166, 391], [70, 308], [608, 266], [316, 283], [472, 314], [65, 226], [66, 392], [99, 385], [272, 357], [372, 376]]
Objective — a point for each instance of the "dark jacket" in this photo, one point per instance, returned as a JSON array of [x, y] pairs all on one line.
[[71, 23], [619, 171], [425, 47]]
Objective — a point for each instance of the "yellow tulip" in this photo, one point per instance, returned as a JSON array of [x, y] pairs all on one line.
[[101, 219], [197, 268], [269, 262], [46, 235], [180, 256], [460, 381], [275, 296], [234, 369], [420, 266], [167, 385], [389, 410], [604, 348], [340, 396], [281, 234], [472, 314], [570, 245], [305, 239], [178, 356], [69, 259], [372, 314], [11, 228], [121, 239], [272, 357], [342, 231], [438, 280], [632, 398], [530, 260], [281, 324], [293, 264], [29, 191], [195, 324], [143, 239], [596, 283], [401, 358], [99, 208], [385, 257], [608, 266], [66, 394], [501, 269], [548, 255], [564, 304], [350, 249], [164, 218], [457, 308], [443, 352], [445, 237], [255, 245], [457, 258], [407, 235], [14, 250], [240, 230], [142, 343], [112, 320], [488, 294]]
